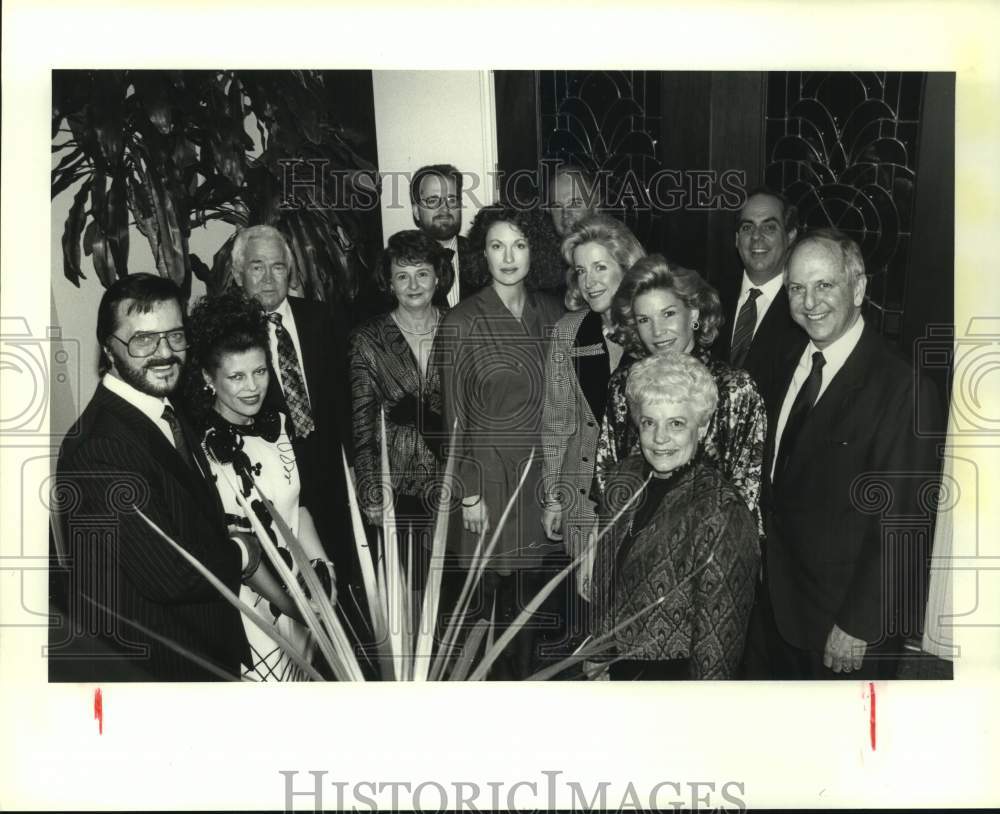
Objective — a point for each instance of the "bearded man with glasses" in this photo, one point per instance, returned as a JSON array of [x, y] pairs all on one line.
[[128, 607], [436, 198]]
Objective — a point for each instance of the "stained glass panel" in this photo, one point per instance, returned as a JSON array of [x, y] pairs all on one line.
[[843, 146], [605, 121]]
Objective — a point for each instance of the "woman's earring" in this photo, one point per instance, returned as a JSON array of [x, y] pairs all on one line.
[[209, 390], [695, 325]]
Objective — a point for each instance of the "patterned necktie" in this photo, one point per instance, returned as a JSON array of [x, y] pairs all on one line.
[[180, 442], [746, 321], [804, 400], [292, 380]]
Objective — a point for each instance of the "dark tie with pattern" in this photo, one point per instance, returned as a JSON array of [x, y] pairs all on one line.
[[746, 321], [292, 381], [450, 256], [804, 400], [180, 442]]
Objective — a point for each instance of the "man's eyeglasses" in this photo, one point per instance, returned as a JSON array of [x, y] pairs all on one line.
[[142, 345], [436, 201]]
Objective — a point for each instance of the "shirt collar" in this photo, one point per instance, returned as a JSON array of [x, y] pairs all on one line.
[[148, 405], [284, 310], [836, 353], [451, 244], [768, 291]]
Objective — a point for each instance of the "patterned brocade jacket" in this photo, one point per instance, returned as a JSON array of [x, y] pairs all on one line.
[[697, 553], [384, 373], [736, 432]]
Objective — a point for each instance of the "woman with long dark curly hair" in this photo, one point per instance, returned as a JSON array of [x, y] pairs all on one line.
[[490, 355], [250, 452]]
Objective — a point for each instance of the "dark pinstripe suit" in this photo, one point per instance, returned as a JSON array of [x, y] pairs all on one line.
[[112, 459]]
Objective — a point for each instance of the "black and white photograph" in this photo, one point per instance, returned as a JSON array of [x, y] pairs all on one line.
[[563, 410]]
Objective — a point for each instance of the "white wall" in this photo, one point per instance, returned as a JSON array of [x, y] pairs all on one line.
[[434, 117], [74, 310]]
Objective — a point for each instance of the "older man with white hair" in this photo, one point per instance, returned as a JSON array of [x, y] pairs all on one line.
[[309, 359]]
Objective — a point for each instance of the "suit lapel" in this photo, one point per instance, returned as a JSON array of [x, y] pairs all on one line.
[[728, 297], [305, 326], [776, 314], [149, 436], [835, 402], [592, 371]]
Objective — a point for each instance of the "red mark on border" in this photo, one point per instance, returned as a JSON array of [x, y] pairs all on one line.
[[99, 710], [871, 715]]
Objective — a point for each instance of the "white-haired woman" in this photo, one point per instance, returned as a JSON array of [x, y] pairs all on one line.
[[684, 554]]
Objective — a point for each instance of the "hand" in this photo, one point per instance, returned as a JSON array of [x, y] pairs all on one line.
[[552, 521], [475, 518], [843, 653]]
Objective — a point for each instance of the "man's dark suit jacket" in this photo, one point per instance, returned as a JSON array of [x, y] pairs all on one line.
[[835, 553], [114, 457], [777, 333], [323, 344], [472, 276]]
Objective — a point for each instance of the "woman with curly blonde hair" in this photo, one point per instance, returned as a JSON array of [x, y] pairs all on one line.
[[582, 356]]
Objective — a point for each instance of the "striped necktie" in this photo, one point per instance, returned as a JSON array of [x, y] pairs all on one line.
[[746, 321]]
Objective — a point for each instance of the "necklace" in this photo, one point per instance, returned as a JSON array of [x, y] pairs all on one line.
[[437, 317]]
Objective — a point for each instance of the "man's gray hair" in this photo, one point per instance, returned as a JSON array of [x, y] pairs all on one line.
[[244, 236]]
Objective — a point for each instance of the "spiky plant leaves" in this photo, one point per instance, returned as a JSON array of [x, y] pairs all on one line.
[[233, 600], [202, 662]]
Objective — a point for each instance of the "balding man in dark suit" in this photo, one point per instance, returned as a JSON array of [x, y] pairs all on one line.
[[841, 428]]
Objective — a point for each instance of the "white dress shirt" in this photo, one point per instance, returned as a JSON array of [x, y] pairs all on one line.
[[454, 293], [834, 355], [149, 406], [768, 292], [288, 323]]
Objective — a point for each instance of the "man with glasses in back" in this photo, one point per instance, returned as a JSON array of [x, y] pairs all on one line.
[[436, 198], [132, 608]]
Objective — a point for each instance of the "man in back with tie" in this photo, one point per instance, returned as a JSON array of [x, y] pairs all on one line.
[[308, 383], [758, 324], [121, 589], [841, 429], [436, 199]]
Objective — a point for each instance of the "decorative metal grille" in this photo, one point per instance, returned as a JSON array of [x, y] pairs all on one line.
[[605, 121], [843, 147]]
